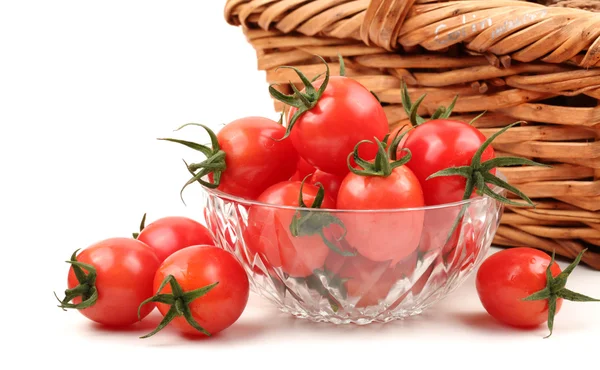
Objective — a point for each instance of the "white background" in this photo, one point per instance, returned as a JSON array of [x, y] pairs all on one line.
[[85, 89]]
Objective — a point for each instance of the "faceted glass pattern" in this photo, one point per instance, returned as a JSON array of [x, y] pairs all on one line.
[[353, 266]]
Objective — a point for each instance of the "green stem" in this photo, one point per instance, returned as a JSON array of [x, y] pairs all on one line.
[[305, 100], [307, 223], [385, 160], [556, 288], [213, 164], [477, 173], [86, 289], [411, 108], [179, 300], [142, 227]]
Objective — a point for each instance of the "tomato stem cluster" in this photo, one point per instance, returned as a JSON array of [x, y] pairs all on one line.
[[86, 288], [412, 109], [179, 302], [304, 101], [214, 162], [478, 175], [556, 288], [306, 223], [385, 160]]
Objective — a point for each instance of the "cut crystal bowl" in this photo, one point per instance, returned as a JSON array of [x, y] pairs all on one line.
[[354, 266]]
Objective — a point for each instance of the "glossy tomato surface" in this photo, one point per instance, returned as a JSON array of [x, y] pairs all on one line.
[[382, 236], [303, 169], [254, 156], [440, 144], [269, 235], [345, 114], [331, 183], [508, 276], [125, 271], [167, 235], [199, 266]]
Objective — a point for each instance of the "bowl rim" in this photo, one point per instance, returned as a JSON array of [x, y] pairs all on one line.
[[219, 194]]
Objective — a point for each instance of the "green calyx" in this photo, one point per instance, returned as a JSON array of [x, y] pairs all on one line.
[[478, 175], [307, 223], [214, 162], [142, 227], [385, 160], [86, 288], [305, 100], [179, 302], [556, 288], [411, 108]]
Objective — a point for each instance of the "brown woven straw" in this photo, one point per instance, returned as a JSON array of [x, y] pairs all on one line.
[[517, 60]]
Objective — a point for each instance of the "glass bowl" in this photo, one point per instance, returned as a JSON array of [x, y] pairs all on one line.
[[381, 265]]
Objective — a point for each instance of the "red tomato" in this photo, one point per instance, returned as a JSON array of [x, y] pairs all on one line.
[[167, 235], [303, 169], [269, 235], [437, 145], [124, 270], [508, 276], [198, 267], [365, 280], [345, 114], [255, 158], [330, 182], [382, 236]]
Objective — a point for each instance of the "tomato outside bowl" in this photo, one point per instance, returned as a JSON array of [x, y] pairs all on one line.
[[354, 266]]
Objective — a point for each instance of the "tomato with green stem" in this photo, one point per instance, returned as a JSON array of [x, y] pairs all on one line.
[[200, 290], [245, 157], [453, 160], [297, 241], [382, 184], [108, 280], [524, 287], [169, 234], [331, 183], [329, 116]]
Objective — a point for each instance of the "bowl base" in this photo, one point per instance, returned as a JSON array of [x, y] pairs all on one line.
[[361, 320]]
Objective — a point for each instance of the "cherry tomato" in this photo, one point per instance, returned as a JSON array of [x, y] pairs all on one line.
[[330, 182], [255, 156], [121, 274], [508, 276], [303, 169], [167, 235], [440, 144], [213, 278], [382, 236], [269, 234], [345, 114]]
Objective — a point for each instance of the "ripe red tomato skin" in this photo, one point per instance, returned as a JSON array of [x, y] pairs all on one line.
[[345, 114], [331, 183], [198, 266], [169, 234], [268, 231], [439, 144], [376, 235], [253, 158], [125, 269], [303, 169], [508, 276]]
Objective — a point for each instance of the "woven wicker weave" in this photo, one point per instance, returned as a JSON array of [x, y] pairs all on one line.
[[517, 60]]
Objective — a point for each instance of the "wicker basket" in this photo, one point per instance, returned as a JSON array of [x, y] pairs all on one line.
[[517, 60]]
